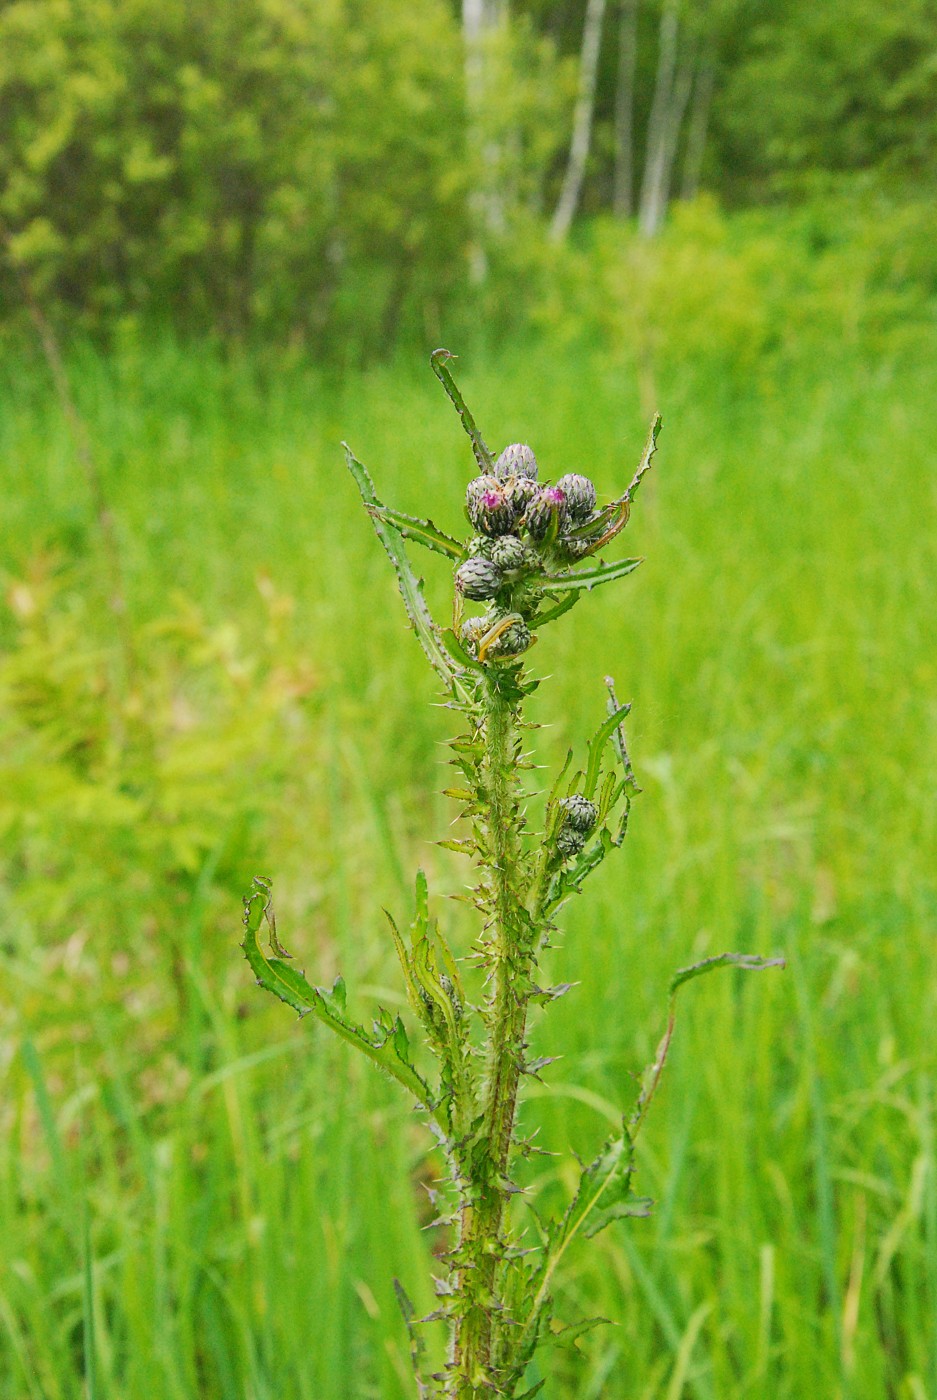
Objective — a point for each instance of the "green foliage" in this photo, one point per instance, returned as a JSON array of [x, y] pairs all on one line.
[[848, 86], [168, 773], [251, 1192], [495, 1304], [255, 165], [323, 173]]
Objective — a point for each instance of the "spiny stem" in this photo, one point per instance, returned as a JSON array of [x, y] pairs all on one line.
[[481, 1244]]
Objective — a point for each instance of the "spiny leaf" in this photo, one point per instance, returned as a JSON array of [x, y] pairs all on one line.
[[748, 961], [421, 531], [458, 652], [603, 1195], [553, 613], [650, 447], [652, 1074], [597, 744], [568, 1336], [417, 1345], [411, 587], [619, 735], [387, 1048], [439, 361], [586, 578]]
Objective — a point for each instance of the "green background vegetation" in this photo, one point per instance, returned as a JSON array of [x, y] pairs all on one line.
[[249, 224]]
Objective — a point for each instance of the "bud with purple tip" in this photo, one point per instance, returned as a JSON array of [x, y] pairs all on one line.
[[548, 505], [488, 506], [580, 496]]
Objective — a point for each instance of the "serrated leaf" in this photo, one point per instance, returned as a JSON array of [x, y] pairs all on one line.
[[553, 613], [568, 1336], [411, 587], [748, 961], [650, 447], [587, 579], [423, 532], [387, 1047], [439, 362], [596, 746], [529, 1394], [464, 847], [653, 1072]]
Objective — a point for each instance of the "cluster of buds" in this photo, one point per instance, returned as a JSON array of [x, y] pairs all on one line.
[[579, 818], [523, 527]]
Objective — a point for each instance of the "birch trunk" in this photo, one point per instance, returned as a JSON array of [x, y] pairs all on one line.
[[479, 19], [699, 123], [651, 210], [623, 187], [582, 122]]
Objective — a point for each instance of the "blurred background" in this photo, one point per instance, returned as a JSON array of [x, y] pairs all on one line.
[[230, 236]]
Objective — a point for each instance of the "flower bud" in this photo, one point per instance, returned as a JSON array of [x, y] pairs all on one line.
[[549, 503], [520, 491], [581, 815], [480, 546], [575, 549], [580, 496], [512, 641], [488, 507], [472, 631], [511, 554], [569, 842], [478, 578], [516, 460]]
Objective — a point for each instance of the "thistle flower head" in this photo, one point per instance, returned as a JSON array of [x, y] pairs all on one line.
[[489, 507], [478, 578], [580, 496], [569, 841], [512, 555], [516, 460], [580, 814], [514, 639], [548, 504]]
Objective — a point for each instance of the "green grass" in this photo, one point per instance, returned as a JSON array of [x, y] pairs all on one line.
[[212, 1200]]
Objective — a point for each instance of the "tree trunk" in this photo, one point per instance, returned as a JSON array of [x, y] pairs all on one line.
[[699, 122], [671, 94], [582, 121], [479, 19], [623, 187]]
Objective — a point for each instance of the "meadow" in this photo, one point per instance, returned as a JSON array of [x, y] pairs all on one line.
[[200, 1196]]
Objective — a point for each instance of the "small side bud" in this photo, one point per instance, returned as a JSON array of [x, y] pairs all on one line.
[[580, 496], [479, 545], [581, 814], [479, 579], [511, 554], [516, 460], [472, 631], [569, 842], [511, 642], [488, 507]]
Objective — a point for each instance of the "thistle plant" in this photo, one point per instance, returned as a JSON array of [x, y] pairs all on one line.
[[531, 555]]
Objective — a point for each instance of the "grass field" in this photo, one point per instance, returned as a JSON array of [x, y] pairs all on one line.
[[201, 1197]]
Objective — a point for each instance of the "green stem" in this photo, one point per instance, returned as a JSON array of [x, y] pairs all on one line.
[[481, 1243]]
